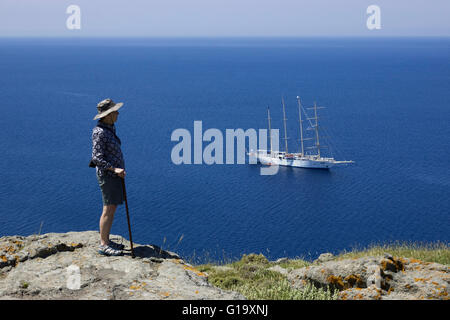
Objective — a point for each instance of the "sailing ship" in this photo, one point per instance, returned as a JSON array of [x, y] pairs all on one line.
[[299, 159]]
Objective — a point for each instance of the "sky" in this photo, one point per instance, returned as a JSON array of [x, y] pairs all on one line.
[[223, 18]]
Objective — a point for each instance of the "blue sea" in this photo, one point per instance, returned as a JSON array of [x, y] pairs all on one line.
[[387, 107]]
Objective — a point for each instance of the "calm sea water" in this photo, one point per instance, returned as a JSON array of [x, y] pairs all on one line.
[[387, 108]]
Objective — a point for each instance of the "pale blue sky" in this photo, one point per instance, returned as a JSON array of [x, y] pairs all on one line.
[[224, 18]]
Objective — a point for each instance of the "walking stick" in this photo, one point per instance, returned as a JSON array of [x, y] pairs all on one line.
[[128, 216]]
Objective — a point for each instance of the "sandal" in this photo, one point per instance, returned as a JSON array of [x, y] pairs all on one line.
[[108, 251]]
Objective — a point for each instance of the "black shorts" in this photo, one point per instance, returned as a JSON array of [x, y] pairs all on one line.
[[112, 190]]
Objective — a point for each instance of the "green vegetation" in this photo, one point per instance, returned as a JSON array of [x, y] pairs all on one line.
[[252, 278]]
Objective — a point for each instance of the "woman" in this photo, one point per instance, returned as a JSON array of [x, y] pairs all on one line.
[[108, 159]]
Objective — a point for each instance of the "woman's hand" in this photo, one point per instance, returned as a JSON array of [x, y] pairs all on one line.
[[120, 172]]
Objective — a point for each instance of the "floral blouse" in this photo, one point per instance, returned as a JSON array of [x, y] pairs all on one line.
[[106, 150]]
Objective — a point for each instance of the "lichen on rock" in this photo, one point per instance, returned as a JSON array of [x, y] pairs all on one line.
[[379, 277]]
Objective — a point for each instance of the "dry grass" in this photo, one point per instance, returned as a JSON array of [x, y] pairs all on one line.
[[431, 252]]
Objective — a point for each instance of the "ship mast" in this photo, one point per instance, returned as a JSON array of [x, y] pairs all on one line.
[[284, 120], [270, 130], [317, 130], [300, 121]]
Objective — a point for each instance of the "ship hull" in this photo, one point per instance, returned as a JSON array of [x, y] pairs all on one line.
[[297, 163]]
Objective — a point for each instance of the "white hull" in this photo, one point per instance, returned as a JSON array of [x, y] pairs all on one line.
[[312, 162]]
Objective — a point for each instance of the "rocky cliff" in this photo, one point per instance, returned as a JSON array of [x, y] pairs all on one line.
[[67, 266]]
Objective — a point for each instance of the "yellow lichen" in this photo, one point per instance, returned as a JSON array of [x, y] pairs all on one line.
[[421, 279], [336, 281], [201, 274], [352, 280], [138, 286], [415, 261], [393, 265], [9, 249], [386, 264], [378, 296]]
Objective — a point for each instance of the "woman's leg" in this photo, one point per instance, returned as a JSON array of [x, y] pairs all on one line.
[[106, 221]]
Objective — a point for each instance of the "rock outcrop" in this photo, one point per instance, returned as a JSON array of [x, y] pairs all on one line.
[[67, 266], [383, 277]]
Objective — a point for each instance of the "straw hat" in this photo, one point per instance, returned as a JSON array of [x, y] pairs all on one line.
[[105, 107]]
